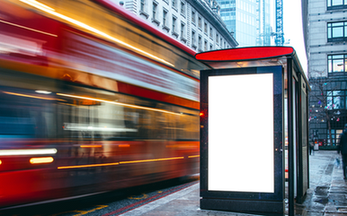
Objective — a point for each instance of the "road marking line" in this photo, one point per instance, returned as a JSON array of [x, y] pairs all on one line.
[[86, 212], [144, 196]]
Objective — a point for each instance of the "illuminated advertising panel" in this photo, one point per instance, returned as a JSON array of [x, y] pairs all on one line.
[[240, 136], [241, 152]]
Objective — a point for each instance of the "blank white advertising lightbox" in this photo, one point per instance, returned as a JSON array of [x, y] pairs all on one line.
[[240, 133]]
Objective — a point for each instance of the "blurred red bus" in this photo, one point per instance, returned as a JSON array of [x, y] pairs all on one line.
[[92, 99]]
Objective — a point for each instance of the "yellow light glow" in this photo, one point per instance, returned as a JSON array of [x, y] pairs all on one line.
[[118, 103], [90, 146], [181, 146], [27, 28], [37, 4], [124, 145], [150, 160], [51, 11], [41, 160], [87, 165], [0, 162], [194, 156], [13, 152]]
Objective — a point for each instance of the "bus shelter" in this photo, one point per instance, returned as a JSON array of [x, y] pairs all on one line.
[[253, 130]]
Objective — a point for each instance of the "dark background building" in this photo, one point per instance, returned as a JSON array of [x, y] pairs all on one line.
[[326, 47]]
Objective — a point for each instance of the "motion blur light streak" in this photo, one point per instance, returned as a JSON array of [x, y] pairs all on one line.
[[0, 162], [13, 152], [85, 127], [43, 92], [118, 103], [150, 160], [29, 96], [90, 146], [87, 165], [27, 28], [89, 28], [194, 156], [122, 162], [124, 145], [37, 4], [41, 160], [181, 146]]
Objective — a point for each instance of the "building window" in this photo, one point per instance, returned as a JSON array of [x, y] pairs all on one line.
[[335, 135], [205, 46], [205, 28], [193, 39], [221, 42], [154, 12], [183, 9], [164, 17], [336, 4], [199, 22], [337, 31], [183, 30], [211, 47], [174, 19], [143, 5], [337, 63], [193, 17], [211, 32], [200, 43], [336, 100], [165, 22], [174, 3], [217, 38], [143, 9]]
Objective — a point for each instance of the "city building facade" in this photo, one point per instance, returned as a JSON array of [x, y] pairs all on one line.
[[327, 69], [196, 23], [249, 20]]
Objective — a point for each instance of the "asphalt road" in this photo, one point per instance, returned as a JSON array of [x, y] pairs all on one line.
[[106, 204]]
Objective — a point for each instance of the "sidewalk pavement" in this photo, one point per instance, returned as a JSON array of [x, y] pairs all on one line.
[[325, 197], [328, 190]]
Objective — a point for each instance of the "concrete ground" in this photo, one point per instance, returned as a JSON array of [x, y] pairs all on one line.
[[326, 195]]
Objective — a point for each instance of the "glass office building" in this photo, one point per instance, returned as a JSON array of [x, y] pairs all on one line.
[[249, 20]]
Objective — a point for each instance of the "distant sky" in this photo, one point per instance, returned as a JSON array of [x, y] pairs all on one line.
[[293, 31]]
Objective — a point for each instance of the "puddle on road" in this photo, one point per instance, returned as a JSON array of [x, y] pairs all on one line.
[[321, 191], [322, 200]]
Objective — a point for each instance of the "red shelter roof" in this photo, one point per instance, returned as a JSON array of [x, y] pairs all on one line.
[[244, 53]]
